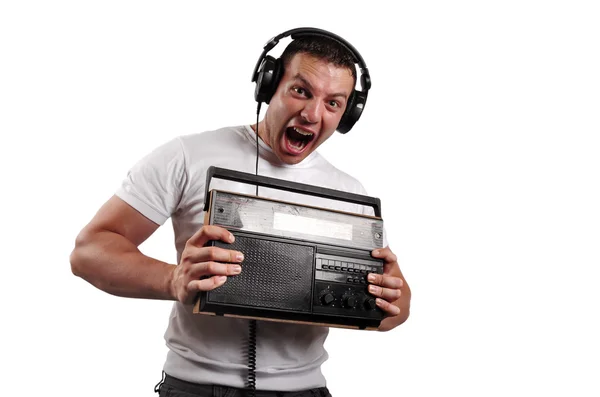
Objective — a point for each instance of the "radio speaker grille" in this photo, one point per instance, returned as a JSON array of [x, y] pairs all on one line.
[[263, 282]]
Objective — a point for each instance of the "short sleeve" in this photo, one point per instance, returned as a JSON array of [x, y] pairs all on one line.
[[154, 185]]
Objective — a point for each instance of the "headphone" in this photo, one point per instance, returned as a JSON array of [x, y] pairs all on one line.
[[268, 73]]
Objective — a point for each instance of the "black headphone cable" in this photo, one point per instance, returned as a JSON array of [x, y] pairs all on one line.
[[257, 115], [251, 383]]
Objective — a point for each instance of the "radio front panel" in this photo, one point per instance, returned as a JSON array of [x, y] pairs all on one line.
[[287, 280]]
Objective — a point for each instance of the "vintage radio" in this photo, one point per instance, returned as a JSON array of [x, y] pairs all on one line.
[[302, 263]]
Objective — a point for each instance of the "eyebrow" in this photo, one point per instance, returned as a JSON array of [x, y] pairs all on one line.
[[310, 87]]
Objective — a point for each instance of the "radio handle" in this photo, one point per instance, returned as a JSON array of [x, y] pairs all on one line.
[[295, 187]]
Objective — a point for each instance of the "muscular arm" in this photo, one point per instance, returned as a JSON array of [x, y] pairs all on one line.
[[106, 254]]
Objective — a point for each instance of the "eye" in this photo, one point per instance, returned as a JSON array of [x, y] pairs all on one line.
[[335, 105], [300, 91]]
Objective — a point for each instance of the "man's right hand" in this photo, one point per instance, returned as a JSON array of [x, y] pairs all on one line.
[[204, 268]]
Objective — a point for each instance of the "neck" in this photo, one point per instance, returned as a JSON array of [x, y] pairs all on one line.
[[261, 131]]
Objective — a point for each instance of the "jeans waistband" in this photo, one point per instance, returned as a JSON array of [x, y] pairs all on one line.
[[201, 389]]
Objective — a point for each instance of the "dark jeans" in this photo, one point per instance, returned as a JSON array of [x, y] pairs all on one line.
[[173, 387]]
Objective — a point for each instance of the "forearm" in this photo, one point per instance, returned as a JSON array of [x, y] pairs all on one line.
[[113, 264]]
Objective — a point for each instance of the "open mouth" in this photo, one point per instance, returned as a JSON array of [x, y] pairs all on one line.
[[297, 139]]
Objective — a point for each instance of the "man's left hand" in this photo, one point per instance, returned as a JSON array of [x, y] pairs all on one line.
[[390, 289]]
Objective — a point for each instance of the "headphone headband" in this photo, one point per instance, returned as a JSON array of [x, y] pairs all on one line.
[[303, 32]]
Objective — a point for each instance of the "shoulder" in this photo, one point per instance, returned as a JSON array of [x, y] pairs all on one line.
[[213, 137], [223, 144], [328, 175]]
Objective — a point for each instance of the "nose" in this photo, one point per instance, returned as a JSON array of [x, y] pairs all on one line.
[[312, 111]]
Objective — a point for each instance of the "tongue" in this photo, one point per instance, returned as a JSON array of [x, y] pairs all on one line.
[[296, 140], [296, 144]]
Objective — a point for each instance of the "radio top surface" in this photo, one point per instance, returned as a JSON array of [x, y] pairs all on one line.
[[290, 220]]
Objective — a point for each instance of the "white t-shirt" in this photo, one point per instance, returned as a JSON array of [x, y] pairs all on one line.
[[170, 182]]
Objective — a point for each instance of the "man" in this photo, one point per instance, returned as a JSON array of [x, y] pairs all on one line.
[[206, 353]]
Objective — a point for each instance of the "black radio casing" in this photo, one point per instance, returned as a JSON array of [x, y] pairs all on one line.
[[301, 264]]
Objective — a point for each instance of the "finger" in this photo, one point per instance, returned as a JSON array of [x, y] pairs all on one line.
[[385, 281], [206, 284], [195, 254], [198, 270], [388, 294], [208, 233], [386, 254], [387, 307]]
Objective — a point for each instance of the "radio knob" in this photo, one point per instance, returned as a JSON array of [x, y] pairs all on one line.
[[327, 298], [349, 301], [370, 304]]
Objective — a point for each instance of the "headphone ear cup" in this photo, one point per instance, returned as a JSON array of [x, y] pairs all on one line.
[[346, 122], [268, 79], [356, 104]]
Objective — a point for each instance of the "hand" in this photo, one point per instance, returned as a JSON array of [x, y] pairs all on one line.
[[386, 287], [198, 261]]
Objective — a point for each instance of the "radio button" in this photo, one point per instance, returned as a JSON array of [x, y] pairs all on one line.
[[349, 301], [327, 298]]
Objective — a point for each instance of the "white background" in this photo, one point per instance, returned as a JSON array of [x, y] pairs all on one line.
[[480, 136]]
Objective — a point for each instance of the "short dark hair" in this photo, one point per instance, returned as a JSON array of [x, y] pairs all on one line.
[[322, 47]]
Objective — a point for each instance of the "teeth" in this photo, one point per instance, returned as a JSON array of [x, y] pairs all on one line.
[[305, 133]]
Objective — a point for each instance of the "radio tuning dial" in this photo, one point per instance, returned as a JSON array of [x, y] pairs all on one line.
[[349, 301], [327, 298], [370, 304]]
